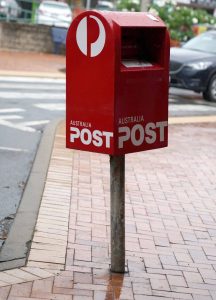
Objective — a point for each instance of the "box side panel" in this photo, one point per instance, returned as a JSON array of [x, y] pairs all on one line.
[[142, 103]]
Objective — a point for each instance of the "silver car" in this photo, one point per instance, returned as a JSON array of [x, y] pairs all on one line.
[[54, 13]]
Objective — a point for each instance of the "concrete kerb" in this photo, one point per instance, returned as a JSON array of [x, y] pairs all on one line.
[[191, 120], [15, 250]]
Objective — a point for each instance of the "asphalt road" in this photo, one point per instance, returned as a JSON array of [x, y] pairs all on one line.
[[188, 103], [27, 105]]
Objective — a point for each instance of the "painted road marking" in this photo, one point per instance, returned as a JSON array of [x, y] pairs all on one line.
[[34, 96], [11, 117], [23, 126], [16, 126], [28, 86], [171, 100], [11, 110], [13, 149], [34, 123], [51, 106]]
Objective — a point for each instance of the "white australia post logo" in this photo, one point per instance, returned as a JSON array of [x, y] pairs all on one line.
[[82, 37], [138, 134]]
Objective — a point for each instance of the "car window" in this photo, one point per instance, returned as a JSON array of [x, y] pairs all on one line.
[[55, 6], [205, 42]]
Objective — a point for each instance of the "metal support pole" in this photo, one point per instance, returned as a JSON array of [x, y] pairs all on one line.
[[117, 189], [88, 4]]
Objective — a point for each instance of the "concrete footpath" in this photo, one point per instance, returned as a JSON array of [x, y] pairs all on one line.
[[170, 224]]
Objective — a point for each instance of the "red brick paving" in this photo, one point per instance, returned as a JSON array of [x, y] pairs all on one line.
[[170, 225]]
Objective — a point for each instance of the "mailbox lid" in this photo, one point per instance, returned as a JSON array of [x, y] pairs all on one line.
[[134, 19]]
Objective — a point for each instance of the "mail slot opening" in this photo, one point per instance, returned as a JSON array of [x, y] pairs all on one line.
[[142, 47]]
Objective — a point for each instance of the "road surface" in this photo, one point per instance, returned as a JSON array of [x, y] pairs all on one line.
[[188, 103], [27, 106]]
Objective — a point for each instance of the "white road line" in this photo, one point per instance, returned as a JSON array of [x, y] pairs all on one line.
[[11, 110], [29, 86], [13, 149], [51, 106], [17, 126], [34, 123], [11, 117], [27, 95], [171, 100]]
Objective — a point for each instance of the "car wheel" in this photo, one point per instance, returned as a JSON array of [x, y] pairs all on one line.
[[210, 93]]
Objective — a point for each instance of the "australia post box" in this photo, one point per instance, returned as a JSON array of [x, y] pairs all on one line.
[[117, 82]]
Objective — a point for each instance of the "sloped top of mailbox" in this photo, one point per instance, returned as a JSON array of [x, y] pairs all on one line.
[[134, 19]]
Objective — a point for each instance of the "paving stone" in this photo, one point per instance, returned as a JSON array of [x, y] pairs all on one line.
[[159, 284], [207, 274], [2, 283], [141, 288], [201, 297], [176, 280], [163, 242], [183, 257], [82, 278], [37, 272], [22, 298], [168, 259], [82, 298], [210, 251], [61, 297], [174, 295], [74, 291], [10, 279], [42, 288], [152, 261], [193, 277], [198, 256], [50, 267], [63, 282], [21, 290], [145, 297], [4, 292], [99, 295], [82, 255]]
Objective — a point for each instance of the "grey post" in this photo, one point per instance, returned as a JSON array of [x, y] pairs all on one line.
[[117, 212]]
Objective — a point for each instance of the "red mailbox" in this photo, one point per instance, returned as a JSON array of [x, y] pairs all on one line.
[[117, 82]]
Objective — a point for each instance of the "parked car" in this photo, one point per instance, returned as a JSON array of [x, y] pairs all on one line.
[[193, 66], [105, 5], [9, 9], [54, 13]]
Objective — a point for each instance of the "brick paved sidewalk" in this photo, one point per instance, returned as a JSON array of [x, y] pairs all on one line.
[[170, 225], [12, 62]]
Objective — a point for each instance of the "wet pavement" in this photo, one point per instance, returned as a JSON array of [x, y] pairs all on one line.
[[170, 225]]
